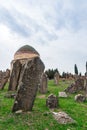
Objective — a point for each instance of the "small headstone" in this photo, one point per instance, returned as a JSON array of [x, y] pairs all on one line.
[[63, 118], [62, 94], [28, 85], [52, 101], [80, 98], [43, 84], [56, 78]]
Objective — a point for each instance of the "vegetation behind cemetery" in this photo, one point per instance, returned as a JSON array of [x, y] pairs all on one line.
[[40, 118]]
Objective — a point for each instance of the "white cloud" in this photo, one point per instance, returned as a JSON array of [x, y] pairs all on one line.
[[57, 29]]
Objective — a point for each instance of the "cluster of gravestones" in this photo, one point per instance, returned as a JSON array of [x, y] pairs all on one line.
[[24, 81], [76, 87], [25, 78], [69, 76], [4, 77]]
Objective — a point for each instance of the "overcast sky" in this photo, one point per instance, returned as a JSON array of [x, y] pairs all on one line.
[[57, 29]]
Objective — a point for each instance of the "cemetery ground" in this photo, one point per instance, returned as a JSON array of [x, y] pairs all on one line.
[[41, 118]]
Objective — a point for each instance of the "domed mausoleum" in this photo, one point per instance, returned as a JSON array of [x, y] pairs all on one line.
[[24, 53]]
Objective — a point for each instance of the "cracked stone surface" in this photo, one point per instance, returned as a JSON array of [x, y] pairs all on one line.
[[63, 118], [28, 85]]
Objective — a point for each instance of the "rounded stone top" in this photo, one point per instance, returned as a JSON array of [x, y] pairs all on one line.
[[25, 52], [26, 49]]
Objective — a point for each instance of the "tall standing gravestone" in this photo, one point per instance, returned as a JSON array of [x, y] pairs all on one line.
[[15, 75], [43, 84], [28, 85], [4, 77], [56, 78]]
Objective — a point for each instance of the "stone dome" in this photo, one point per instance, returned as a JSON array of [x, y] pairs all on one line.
[[25, 52]]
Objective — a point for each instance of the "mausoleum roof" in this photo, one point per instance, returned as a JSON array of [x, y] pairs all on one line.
[[26, 49], [25, 52]]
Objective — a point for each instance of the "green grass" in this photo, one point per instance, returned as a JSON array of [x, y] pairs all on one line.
[[40, 117]]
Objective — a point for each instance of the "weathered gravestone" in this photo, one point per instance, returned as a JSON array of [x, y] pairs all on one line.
[[80, 84], [62, 94], [56, 78], [28, 86], [52, 101], [76, 87], [80, 98], [15, 75], [43, 84], [63, 118], [4, 76]]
